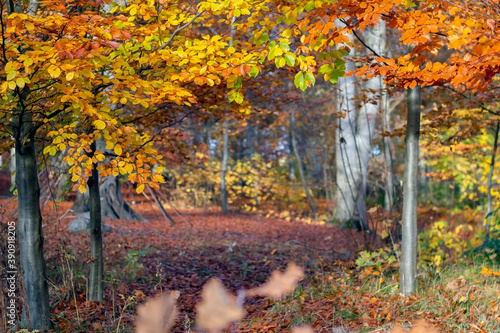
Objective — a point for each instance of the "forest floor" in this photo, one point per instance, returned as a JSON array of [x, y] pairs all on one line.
[[143, 259]]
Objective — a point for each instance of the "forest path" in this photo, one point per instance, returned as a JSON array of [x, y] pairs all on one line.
[[143, 258]]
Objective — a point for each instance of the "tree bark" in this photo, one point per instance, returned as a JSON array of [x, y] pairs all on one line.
[[225, 157], [354, 135], [492, 167], [291, 158], [113, 205], [374, 88], [310, 199], [95, 292], [389, 167], [490, 178], [12, 166], [408, 270], [346, 157], [29, 230]]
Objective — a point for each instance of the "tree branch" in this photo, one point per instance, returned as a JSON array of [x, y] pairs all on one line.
[[179, 29]]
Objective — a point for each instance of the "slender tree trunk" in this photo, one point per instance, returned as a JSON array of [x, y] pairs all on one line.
[[354, 135], [12, 166], [490, 176], [389, 167], [29, 231], [170, 221], [310, 199], [225, 157], [291, 158], [408, 270], [374, 88], [348, 166], [492, 167], [95, 292]]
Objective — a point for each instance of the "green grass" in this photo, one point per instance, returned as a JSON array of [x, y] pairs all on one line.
[[457, 299]]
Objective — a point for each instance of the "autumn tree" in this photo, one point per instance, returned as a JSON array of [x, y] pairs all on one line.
[[127, 64]]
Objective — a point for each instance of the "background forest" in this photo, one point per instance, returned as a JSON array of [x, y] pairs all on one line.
[[331, 163]]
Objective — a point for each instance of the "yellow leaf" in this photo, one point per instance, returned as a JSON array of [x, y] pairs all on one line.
[[75, 178], [20, 82], [118, 150], [407, 4], [28, 62], [54, 71], [70, 76], [140, 188], [11, 75], [129, 168], [99, 124], [12, 85], [29, 26], [123, 100], [287, 33], [384, 234]]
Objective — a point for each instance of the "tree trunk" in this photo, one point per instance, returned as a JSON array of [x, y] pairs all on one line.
[[96, 266], [346, 157], [374, 87], [354, 135], [29, 230], [113, 205], [492, 167], [408, 270], [12, 166], [490, 178], [389, 167], [291, 158], [299, 165], [225, 157]]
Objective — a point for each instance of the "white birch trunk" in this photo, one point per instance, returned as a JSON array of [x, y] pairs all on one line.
[[346, 157], [355, 133]]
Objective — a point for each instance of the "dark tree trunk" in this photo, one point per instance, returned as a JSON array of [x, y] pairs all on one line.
[[29, 231], [96, 266]]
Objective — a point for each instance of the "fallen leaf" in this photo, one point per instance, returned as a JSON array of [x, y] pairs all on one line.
[[302, 329], [158, 315], [280, 284], [218, 308]]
